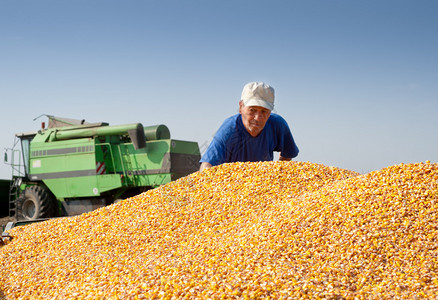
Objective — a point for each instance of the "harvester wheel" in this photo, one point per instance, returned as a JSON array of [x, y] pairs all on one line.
[[35, 203]]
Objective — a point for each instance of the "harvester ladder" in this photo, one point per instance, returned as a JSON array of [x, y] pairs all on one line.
[[18, 172], [13, 195]]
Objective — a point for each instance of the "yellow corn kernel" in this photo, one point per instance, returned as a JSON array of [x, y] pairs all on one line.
[[271, 230]]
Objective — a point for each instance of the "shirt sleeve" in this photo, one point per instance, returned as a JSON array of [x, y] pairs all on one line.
[[216, 152], [286, 146]]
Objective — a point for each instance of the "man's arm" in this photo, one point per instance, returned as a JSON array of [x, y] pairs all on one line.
[[284, 158], [205, 165]]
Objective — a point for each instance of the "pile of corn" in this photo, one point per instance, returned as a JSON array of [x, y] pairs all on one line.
[[274, 230]]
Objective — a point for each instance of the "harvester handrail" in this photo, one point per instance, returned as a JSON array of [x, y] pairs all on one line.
[[122, 164], [16, 167], [108, 145], [121, 160]]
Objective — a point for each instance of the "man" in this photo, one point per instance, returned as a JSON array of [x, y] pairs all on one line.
[[253, 134]]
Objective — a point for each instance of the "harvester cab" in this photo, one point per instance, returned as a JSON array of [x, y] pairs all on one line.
[[72, 166]]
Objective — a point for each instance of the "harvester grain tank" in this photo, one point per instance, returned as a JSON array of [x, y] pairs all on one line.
[[73, 167]]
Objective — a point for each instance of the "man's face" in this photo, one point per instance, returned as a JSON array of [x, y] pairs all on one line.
[[254, 118]]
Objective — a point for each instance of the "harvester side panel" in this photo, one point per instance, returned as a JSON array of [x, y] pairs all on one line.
[[139, 170], [68, 168], [164, 160], [108, 182], [184, 158]]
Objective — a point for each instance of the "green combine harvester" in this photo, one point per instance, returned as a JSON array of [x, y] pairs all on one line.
[[72, 167]]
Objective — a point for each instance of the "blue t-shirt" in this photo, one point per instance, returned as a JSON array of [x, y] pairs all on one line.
[[233, 143]]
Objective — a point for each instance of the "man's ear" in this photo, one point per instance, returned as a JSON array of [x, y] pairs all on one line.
[[241, 105]]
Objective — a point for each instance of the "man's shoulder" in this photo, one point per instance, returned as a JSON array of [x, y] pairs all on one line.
[[276, 119], [229, 123], [232, 119], [229, 130]]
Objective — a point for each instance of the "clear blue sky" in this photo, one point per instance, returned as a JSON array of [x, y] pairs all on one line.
[[356, 80]]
